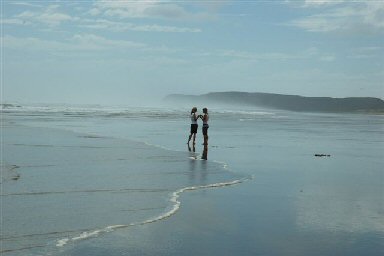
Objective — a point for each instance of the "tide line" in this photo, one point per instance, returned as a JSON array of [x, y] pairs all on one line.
[[175, 207]]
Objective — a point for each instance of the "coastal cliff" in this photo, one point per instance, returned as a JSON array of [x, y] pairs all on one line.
[[286, 102]]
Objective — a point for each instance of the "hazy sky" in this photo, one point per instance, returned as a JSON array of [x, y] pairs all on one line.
[[124, 52]]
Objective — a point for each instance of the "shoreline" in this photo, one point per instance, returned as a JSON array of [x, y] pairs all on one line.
[[296, 204], [73, 147]]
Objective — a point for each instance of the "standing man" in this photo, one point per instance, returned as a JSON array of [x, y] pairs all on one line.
[[205, 119]]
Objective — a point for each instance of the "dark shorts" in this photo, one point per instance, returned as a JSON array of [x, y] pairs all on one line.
[[194, 128], [205, 129]]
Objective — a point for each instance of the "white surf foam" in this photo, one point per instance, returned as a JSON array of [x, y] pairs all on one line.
[[89, 234], [224, 165], [175, 207], [155, 145]]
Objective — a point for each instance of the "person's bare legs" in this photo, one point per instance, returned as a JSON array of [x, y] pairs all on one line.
[[194, 138]]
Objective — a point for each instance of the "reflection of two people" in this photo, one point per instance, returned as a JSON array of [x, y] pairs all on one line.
[[204, 155], [198, 168]]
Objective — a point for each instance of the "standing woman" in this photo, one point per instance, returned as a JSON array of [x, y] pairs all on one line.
[[205, 119], [194, 118]]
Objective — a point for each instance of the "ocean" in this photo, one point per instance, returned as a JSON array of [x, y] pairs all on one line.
[[118, 180]]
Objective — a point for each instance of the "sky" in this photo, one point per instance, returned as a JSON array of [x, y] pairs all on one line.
[[133, 52]]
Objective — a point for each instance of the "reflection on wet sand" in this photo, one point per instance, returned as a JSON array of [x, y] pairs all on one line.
[[205, 152], [192, 151], [342, 208], [202, 165]]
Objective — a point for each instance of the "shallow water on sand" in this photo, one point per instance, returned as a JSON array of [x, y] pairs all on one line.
[[96, 162], [60, 187]]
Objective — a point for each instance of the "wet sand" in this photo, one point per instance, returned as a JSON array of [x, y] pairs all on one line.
[[60, 188], [295, 204]]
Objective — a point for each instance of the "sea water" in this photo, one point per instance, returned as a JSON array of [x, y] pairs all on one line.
[[75, 173]]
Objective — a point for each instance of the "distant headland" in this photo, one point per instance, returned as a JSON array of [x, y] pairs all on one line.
[[286, 102]]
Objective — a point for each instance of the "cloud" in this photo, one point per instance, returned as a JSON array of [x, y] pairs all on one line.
[[95, 11], [79, 42], [91, 41], [313, 3], [310, 53], [319, 3], [262, 56], [126, 26], [138, 9], [367, 52], [146, 9], [50, 16], [32, 43], [352, 17], [13, 21], [25, 4], [327, 58]]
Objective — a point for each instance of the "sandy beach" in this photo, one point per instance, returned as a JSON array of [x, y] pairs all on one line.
[[61, 187], [107, 185]]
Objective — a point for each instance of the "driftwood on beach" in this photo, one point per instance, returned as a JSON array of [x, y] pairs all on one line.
[[322, 155]]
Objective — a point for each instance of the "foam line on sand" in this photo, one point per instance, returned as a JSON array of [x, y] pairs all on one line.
[[174, 199]]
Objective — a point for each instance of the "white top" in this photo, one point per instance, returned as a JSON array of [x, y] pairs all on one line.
[[193, 118]]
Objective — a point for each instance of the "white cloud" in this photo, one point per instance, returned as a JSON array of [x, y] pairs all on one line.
[[50, 16], [353, 17], [315, 3], [310, 53], [374, 14], [79, 42], [367, 52], [14, 22], [146, 9], [91, 41], [158, 28], [236, 54], [327, 58], [317, 24], [31, 43], [94, 11], [126, 26], [25, 4], [136, 8]]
